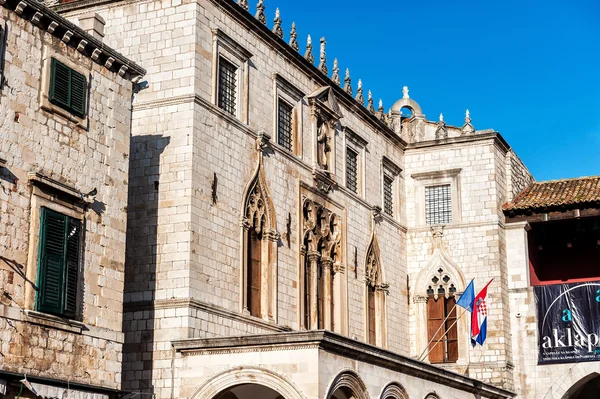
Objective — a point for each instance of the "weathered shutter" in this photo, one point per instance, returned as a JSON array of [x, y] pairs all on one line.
[[371, 314], [254, 273], [60, 84], [3, 45], [435, 315], [72, 267], [452, 335], [51, 262], [78, 93]]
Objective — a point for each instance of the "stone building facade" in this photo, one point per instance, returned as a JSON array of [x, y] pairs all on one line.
[[288, 238], [65, 114]]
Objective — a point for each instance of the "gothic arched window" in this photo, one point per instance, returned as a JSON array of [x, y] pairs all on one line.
[[441, 319], [375, 293]]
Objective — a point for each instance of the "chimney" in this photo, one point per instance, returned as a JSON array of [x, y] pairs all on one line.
[[93, 24]]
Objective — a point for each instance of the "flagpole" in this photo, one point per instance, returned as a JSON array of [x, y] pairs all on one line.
[[438, 341], [438, 330]]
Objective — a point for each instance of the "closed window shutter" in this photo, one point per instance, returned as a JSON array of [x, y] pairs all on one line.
[[60, 84], [3, 41], [78, 93], [72, 269], [51, 264], [435, 315]]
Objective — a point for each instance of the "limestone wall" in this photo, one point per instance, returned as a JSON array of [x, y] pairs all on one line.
[[33, 139]]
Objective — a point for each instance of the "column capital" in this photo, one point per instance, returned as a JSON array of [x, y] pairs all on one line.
[[420, 299]]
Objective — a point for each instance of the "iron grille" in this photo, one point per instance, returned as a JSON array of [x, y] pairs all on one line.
[[227, 86], [438, 204], [352, 170], [388, 195], [284, 125]]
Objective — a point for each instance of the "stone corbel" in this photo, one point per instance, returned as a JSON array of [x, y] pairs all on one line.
[[67, 36], [52, 27], [420, 299], [20, 7], [263, 140], [323, 180], [271, 235], [383, 287], [339, 267], [37, 17], [245, 223]]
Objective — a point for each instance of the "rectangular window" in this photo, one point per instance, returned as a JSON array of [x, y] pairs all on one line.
[[438, 204], [388, 195], [58, 264], [227, 86], [3, 44], [352, 170], [68, 88], [284, 125]]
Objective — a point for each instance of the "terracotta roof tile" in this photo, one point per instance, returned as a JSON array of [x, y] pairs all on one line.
[[555, 193]]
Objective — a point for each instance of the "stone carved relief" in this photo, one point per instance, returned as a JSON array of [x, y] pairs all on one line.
[[322, 231], [373, 275]]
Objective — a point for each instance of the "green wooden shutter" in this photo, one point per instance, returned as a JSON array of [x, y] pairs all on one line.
[[60, 84], [51, 271], [72, 269], [78, 93]]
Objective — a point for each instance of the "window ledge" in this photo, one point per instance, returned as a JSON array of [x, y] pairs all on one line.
[[54, 321], [38, 178]]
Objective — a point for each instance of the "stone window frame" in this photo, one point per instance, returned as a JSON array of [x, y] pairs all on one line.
[[437, 178], [359, 145], [375, 281], [283, 90], [48, 54], [53, 195], [390, 169], [227, 48]]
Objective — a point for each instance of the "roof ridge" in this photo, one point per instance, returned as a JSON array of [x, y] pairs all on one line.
[[567, 179]]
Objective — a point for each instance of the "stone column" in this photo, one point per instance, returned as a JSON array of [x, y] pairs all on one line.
[[326, 264], [268, 300], [246, 226], [422, 335], [313, 261], [340, 311]]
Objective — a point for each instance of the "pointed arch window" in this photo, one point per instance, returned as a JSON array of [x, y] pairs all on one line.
[[375, 293], [441, 319], [259, 250]]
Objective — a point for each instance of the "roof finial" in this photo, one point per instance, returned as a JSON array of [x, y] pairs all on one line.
[[243, 4], [442, 131], [336, 72], [308, 53], [323, 57], [468, 127], [348, 82], [441, 117], [293, 36], [260, 12], [277, 24], [405, 92], [359, 95], [370, 106], [380, 107]]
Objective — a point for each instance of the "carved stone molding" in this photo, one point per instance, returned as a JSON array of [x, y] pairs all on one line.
[[323, 180], [420, 299]]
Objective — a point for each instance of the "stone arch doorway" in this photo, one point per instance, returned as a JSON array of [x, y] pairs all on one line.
[[586, 388], [249, 391], [347, 385]]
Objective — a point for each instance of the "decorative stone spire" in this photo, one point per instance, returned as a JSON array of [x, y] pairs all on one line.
[[359, 95], [348, 82], [336, 72], [441, 132], [277, 24], [293, 37], [370, 106], [308, 54], [380, 107], [260, 12], [390, 120], [468, 127], [323, 57], [405, 92], [243, 4]]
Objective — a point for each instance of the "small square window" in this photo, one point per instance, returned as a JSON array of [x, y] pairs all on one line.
[[68, 88], [388, 195], [227, 94], [352, 170], [438, 204], [284, 125], [58, 263]]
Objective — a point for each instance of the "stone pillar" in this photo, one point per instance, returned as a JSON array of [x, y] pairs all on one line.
[[422, 336], [246, 226], [313, 261], [326, 264], [340, 309]]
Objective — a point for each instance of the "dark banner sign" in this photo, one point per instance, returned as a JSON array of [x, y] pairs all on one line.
[[568, 317]]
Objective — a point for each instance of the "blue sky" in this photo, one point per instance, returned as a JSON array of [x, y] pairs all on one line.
[[529, 69]]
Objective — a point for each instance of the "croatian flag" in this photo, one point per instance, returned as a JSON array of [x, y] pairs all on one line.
[[479, 317]]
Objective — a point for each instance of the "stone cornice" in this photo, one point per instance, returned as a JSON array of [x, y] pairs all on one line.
[[198, 305], [342, 346], [469, 139], [56, 25]]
